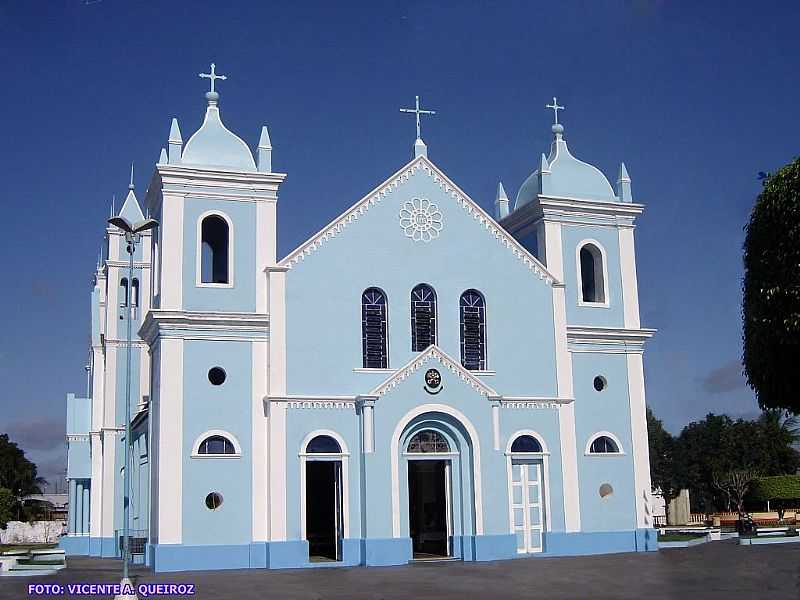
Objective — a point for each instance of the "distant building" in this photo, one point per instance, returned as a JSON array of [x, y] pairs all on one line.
[[419, 379]]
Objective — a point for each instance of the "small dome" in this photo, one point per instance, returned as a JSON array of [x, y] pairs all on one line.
[[565, 175], [214, 145]]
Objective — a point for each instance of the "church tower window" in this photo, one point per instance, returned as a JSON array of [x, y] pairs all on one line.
[[214, 250], [216, 444], [473, 330], [592, 274], [135, 293], [423, 317], [374, 326], [123, 292]]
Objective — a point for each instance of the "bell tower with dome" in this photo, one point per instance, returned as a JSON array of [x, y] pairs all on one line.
[[208, 332], [568, 214]]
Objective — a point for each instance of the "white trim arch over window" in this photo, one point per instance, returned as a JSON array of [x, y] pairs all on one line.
[[199, 251], [344, 457], [237, 447], [600, 434], [531, 433], [592, 287]]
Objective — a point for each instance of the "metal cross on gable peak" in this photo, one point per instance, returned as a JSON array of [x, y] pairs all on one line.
[[213, 76], [555, 108], [418, 111]]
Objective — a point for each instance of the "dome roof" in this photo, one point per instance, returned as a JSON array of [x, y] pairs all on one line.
[[561, 174], [214, 145]]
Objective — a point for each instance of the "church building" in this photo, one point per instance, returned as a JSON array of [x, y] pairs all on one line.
[[418, 380]]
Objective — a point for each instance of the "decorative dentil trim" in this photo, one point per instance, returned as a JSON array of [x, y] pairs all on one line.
[[436, 353], [327, 404], [353, 213]]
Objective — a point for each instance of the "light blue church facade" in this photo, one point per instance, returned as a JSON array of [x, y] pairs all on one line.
[[419, 380]]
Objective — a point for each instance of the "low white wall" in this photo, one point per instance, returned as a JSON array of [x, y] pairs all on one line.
[[38, 532]]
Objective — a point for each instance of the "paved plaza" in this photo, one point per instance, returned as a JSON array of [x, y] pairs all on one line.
[[720, 570]]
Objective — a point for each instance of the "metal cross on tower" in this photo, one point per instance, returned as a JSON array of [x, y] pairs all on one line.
[[555, 108], [418, 111], [213, 76]]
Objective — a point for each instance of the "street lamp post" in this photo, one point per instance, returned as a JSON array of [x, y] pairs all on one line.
[[132, 237]]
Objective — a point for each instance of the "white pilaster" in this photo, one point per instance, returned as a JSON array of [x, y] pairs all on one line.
[[277, 410], [641, 449], [170, 439], [259, 434], [97, 485], [630, 287], [109, 471], [171, 285]]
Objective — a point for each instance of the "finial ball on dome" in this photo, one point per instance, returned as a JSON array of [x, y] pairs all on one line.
[[212, 96], [558, 128]]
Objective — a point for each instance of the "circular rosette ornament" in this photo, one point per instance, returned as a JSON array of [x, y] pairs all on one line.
[[421, 219]]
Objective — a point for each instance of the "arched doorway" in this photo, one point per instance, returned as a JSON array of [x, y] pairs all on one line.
[[436, 478]]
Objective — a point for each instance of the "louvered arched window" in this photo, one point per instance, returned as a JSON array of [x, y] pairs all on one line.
[[374, 325], [423, 317], [473, 330], [123, 291]]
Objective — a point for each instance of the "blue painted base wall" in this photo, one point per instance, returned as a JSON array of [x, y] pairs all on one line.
[[74, 545], [102, 547], [293, 554]]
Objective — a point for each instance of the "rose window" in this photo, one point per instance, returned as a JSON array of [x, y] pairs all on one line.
[[421, 219]]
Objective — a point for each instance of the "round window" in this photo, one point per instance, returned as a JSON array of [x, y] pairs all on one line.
[[213, 501], [216, 375], [600, 383], [606, 490]]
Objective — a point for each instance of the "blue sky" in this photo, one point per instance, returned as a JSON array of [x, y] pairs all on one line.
[[696, 98]]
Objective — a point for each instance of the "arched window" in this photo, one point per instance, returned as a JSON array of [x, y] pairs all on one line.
[[214, 250], [374, 326], [216, 444], [123, 292], [473, 330], [423, 317], [526, 443], [428, 442], [323, 444], [592, 274], [603, 444], [135, 293]]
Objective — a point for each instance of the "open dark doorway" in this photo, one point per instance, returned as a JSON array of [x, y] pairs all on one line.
[[427, 507], [323, 510]]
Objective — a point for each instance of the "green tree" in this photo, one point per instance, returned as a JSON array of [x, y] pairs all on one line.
[[771, 292], [780, 491], [662, 460], [7, 502], [17, 473]]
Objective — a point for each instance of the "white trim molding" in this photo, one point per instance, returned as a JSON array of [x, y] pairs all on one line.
[[237, 447], [584, 338], [605, 303], [198, 280], [416, 363], [534, 434], [597, 434]]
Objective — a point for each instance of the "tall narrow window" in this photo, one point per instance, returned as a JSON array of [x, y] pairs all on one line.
[[135, 293], [123, 292], [592, 274], [214, 249], [423, 317], [473, 330], [374, 326]]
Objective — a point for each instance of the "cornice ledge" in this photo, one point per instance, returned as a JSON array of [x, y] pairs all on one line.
[[179, 171], [158, 320], [567, 203], [582, 333]]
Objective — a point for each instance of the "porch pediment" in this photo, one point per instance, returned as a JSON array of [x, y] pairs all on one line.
[[433, 354]]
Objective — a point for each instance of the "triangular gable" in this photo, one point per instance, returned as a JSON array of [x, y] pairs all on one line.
[[433, 352], [337, 226]]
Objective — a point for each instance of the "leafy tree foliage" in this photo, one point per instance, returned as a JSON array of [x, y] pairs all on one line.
[[780, 491], [662, 459], [771, 294], [7, 502], [17, 473], [707, 453]]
